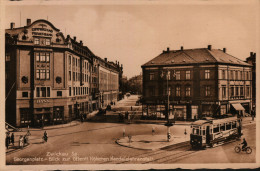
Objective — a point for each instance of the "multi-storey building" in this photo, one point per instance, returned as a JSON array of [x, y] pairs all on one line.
[[49, 78], [108, 82], [252, 60], [199, 82]]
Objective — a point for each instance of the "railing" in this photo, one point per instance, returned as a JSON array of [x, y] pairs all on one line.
[[8, 126]]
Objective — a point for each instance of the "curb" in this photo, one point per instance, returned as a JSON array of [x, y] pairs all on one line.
[[154, 149], [19, 149], [133, 147], [46, 128]]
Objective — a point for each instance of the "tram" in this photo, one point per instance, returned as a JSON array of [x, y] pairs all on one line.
[[206, 133]]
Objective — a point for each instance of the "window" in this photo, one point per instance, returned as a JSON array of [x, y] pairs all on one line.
[[47, 57], [207, 74], [247, 91], [74, 91], [241, 91], [231, 75], [37, 57], [38, 92], [48, 41], [69, 59], [224, 90], [207, 91], [237, 91], [48, 91], [36, 41], [43, 57], [178, 75], [178, 91], [223, 74], [47, 74], [215, 128], [151, 76], [232, 91], [187, 75], [228, 126], [24, 94], [73, 76], [69, 91], [59, 93], [187, 91], [236, 75], [222, 127], [241, 75], [42, 74], [69, 75], [37, 74], [247, 78], [43, 90], [73, 61], [25, 116]]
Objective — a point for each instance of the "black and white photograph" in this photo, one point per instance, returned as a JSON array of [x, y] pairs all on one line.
[[129, 84]]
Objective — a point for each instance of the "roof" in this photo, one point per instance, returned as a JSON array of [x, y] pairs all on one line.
[[194, 56], [214, 121]]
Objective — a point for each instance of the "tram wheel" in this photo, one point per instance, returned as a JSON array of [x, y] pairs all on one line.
[[248, 150]]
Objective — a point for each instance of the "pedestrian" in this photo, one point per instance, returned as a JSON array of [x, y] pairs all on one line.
[[12, 139], [21, 141], [253, 115], [131, 108], [7, 141], [24, 140], [45, 136]]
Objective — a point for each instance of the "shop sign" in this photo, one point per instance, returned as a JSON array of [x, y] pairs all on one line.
[[208, 102], [42, 101], [42, 32]]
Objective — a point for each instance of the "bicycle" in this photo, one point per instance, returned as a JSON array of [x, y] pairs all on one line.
[[248, 149]]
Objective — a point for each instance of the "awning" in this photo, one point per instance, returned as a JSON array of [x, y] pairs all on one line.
[[238, 106]]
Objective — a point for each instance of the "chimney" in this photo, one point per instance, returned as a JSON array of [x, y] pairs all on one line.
[[74, 38], [224, 50], [209, 47], [68, 36], [105, 59], [81, 43], [181, 47], [12, 25], [28, 21], [168, 49], [251, 54]]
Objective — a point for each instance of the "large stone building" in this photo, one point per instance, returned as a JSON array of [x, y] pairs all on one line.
[[50, 78], [252, 60], [202, 82]]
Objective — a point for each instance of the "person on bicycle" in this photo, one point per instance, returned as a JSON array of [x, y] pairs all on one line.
[[244, 144]]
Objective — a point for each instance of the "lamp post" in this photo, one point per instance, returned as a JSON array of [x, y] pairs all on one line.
[[168, 124]]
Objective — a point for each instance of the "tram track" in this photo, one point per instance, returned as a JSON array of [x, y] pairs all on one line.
[[155, 155]]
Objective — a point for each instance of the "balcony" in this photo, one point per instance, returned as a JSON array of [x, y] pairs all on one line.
[[236, 97]]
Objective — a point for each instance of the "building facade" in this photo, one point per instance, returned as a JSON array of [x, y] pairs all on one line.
[[50, 79], [200, 83], [252, 60]]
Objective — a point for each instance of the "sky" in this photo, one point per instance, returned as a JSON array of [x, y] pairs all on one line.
[[134, 33]]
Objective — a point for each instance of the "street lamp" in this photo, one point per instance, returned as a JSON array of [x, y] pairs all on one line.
[[168, 124]]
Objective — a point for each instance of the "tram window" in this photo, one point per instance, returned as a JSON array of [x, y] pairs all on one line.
[[234, 124], [228, 126], [216, 129], [222, 127]]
